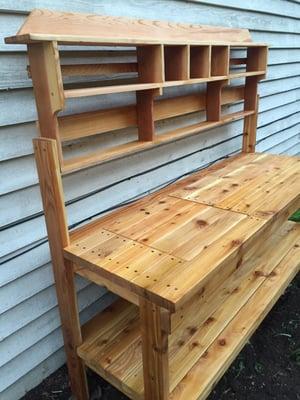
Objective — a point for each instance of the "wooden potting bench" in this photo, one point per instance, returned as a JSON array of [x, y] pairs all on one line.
[[197, 265]]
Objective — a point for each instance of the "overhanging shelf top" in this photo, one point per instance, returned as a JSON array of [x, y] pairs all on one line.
[[72, 28]]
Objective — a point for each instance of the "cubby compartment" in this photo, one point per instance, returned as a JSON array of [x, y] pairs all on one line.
[[176, 62], [199, 62], [219, 60], [257, 58]]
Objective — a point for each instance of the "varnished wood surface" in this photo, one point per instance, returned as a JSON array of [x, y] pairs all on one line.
[[167, 248], [199, 351], [91, 28]]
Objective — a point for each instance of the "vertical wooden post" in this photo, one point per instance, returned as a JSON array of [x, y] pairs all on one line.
[[250, 128], [250, 122], [155, 331], [48, 87], [214, 100], [150, 70], [52, 196]]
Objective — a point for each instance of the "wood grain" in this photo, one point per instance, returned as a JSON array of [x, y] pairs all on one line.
[[90, 28]]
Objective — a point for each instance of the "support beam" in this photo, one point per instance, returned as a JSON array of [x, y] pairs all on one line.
[[54, 208], [155, 328]]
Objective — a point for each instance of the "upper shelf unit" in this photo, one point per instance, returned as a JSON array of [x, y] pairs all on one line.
[[162, 66], [165, 55]]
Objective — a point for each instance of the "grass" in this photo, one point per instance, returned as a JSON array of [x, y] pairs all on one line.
[[295, 217]]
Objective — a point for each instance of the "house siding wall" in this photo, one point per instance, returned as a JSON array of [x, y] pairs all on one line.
[[31, 345]]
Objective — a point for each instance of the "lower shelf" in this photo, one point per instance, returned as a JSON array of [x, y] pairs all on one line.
[[198, 355]]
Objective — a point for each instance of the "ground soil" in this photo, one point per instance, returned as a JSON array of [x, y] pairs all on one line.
[[268, 368]]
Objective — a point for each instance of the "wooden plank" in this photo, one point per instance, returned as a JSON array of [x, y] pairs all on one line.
[[155, 351], [118, 290], [94, 69], [201, 379], [219, 60], [96, 91], [48, 87], [95, 122], [52, 196], [69, 27], [77, 163], [213, 100]]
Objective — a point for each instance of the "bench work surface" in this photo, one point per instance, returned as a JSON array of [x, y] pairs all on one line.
[[166, 246]]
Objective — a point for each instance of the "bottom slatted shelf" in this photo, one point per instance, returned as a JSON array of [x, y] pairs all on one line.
[[198, 354]]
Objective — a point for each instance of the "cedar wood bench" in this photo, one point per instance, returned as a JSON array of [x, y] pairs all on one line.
[[196, 265]]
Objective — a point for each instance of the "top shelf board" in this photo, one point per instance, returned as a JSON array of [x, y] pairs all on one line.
[[67, 28]]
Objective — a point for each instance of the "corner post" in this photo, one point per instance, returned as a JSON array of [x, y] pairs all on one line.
[[155, 329], [47, 82], [56, 222]]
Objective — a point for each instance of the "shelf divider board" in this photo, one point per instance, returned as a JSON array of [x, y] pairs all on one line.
[[200, 58], [145, 115], [220, 60], [177, 62]]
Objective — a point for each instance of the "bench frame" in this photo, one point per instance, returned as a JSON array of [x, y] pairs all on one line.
[[202, 57]]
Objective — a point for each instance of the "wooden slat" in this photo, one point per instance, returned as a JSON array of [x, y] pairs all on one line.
[[238, 61], [77, 163], [94, 69], [84, 28], [94, 122], [57, 228], [96, 91], [201, 379]]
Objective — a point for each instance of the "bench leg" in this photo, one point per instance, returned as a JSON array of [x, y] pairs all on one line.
[[155, 332]]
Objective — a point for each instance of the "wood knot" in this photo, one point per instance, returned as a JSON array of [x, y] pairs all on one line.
[[239, 263], [234, 184], [145, 240], [222, 342], [258, 274], [195, 344], [236, 242], [209, 320], [201, 291], [192, 330], [147, 212], [180, 343], [235, 290], [205, 354], [296, 245], [161, 202], [201, 223], [225, 191]]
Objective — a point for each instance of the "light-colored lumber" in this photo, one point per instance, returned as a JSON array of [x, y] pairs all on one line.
[[200, 59], [97, 91], [85, 28], [48, 87], [162, 262], [90, 123], [94, 69], [112, 345], [52, 195], [177, 63], [77, 163], [154, 350]]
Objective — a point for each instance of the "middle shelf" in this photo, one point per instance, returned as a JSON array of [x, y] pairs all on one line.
[[76, 163]]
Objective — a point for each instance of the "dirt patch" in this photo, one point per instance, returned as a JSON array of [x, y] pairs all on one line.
[[268, 368]]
